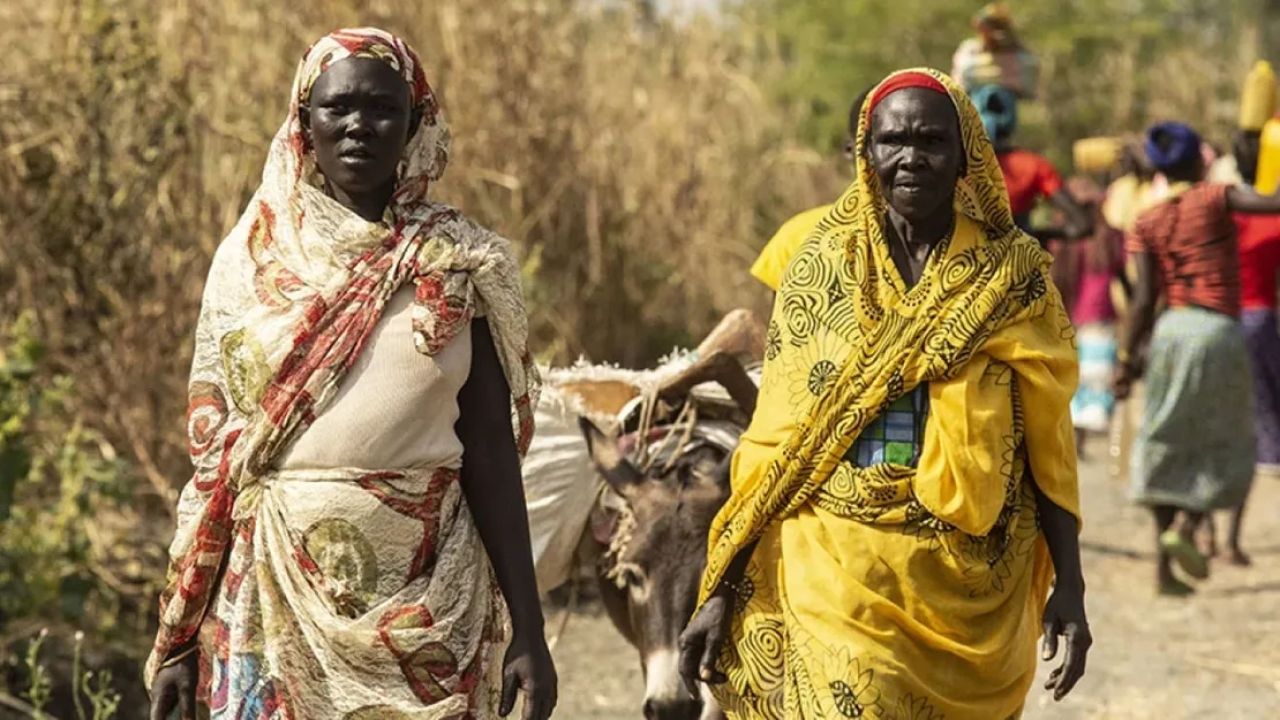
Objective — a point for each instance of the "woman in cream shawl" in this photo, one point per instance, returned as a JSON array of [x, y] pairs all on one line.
[[356, 518]]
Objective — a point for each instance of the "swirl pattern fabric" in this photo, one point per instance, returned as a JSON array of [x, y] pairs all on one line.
[[293, 295], [892, 591]]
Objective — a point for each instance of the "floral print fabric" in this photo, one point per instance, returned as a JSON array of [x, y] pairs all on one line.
[[299, 615]]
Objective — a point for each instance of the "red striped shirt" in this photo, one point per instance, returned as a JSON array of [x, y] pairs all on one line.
[[1193, 240]]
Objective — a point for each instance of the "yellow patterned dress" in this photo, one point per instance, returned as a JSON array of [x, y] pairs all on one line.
[[912, 590]]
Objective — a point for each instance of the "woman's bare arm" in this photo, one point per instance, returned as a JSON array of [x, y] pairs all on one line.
[[1142, 311], [494, 490], [1064, 613], [1243, 199], [491, 480], [1061, 534], [1077, 223]]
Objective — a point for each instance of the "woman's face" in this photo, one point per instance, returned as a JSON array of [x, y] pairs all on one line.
[[916, 152], [359, 120]]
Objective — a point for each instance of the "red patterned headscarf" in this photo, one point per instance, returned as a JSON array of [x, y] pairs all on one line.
[[428, 151]]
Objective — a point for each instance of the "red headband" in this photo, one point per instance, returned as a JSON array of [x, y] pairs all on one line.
[[901, 81]]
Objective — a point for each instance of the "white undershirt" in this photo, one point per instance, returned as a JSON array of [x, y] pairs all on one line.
[[396, 407]]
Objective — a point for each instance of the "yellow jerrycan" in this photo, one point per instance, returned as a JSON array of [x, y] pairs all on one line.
[[1095, 154], [1257, 114], [1269, 158], [1258, 97]]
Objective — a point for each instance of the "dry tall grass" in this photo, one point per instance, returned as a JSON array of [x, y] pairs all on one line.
[[637, 163]]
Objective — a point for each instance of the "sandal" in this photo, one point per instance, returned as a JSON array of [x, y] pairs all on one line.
[[1185, 553]]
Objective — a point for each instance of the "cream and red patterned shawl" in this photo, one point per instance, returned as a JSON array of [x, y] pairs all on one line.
[[293, 294]]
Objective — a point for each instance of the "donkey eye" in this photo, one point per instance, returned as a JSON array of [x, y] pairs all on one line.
[[635, 582]]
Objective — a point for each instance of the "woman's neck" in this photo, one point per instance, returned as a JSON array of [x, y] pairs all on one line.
[[370, 205], [920, 236]]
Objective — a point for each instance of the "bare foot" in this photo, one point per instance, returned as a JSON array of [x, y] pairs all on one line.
[[1206, 536], [1208, 546], [1239, 558]]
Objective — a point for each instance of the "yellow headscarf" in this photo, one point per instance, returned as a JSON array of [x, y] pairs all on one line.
[[985, 330]]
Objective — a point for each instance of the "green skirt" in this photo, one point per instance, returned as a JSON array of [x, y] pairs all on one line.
[[1195, 448]]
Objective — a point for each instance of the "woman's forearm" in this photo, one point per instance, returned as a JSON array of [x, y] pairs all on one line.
[[1078, 222], [732, 575], [1061, 534], [737, 568], [1141, 310], [1139, 324], [492, 484], [495, 496]]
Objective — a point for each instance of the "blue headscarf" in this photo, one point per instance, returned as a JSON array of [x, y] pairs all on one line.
[[1183, 145], [998, 108]]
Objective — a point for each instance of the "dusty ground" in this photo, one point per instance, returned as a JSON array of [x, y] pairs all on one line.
[[1214, 655]]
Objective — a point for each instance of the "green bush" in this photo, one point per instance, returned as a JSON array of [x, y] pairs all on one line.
[[60, 486], [56, 476]]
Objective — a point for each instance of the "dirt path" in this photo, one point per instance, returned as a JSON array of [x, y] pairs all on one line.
[[1214, 655]]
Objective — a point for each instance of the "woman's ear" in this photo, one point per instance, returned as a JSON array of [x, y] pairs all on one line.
[[304, 119], [415, 121]]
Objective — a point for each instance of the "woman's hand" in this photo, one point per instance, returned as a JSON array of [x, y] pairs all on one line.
[[175, 685], [702, 640], [1064, 615], [528, 667], [1122, 381]]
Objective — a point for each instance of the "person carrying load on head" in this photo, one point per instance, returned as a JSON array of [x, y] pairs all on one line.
[[1195, 449], [995, 56], [1028, 176], [777, 253], [1258, 249]]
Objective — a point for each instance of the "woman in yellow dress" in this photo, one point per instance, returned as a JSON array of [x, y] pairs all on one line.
[[896, 517]]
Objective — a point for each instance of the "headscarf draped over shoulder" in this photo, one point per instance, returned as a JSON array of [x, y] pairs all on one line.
[[848, 337], [293, 296]]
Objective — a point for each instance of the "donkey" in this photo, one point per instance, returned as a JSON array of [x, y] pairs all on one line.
[[656, 522]]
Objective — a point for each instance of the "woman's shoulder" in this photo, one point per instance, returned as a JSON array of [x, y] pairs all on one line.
[[1013, 252], [972, 232], [452, 241], [450, 223], [1184, 215]]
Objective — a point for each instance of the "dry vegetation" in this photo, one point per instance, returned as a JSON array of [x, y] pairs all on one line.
[[638, 163]]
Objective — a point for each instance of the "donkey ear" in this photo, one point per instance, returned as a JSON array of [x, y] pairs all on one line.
[[605, 454]]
